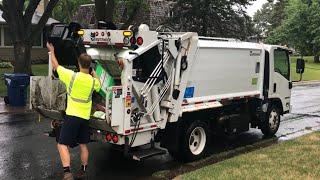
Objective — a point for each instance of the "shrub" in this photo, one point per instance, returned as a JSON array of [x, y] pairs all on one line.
[[6, 65]]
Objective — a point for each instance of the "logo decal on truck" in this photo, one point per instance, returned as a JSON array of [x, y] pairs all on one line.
[[256, 53], [189, 92], [254, 81]]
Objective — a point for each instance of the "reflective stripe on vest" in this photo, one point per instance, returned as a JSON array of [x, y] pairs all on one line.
[[77, 99]]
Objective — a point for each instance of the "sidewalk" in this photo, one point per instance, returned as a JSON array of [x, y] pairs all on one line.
[[6, 109]]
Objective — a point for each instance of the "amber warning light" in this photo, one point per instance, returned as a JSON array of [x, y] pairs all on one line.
[[127, 33], [80, 32]]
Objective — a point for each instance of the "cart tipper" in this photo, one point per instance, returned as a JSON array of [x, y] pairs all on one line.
[[170, 90]]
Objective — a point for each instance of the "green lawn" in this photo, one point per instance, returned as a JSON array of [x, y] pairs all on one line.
[[295, 159], [39, 70], [312, 71]]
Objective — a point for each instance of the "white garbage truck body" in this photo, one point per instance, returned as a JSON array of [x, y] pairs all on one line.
[[178, 88]]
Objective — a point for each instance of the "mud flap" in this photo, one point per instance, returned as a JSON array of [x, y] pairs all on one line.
[[170, 137]]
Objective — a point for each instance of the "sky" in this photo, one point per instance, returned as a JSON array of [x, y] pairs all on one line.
[[255, 6]]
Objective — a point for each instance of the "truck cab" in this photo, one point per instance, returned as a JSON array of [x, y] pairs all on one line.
[[280, 83]]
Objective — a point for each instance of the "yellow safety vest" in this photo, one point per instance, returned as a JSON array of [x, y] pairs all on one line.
[[80, 88], [79, 100]]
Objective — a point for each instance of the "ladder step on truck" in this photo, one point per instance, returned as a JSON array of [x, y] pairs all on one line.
[[142, 154]]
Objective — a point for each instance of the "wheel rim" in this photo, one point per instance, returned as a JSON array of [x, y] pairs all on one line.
[[197, 140], [273, 119]]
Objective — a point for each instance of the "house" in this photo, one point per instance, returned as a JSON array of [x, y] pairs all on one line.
[[39, 51]]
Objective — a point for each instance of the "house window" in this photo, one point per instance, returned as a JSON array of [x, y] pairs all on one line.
[[38, 41], [7, 37], [7, 40]]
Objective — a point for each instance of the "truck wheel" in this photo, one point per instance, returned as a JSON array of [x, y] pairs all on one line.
[[271, 124], [194, 141]]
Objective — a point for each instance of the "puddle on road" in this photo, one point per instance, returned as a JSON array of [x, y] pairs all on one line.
[[299, 133], [308, 128], [290, 129]]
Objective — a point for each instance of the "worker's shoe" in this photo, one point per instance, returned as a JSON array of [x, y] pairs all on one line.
[[81, 175], [67, 176]]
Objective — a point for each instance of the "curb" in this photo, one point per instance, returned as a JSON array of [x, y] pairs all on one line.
[[304, 83], [16, 112], [215, 158]]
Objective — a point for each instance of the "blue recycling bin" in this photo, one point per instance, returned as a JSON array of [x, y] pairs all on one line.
[[17, 88]]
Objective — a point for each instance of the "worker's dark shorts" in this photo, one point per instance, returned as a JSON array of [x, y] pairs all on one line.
[[74, 131]]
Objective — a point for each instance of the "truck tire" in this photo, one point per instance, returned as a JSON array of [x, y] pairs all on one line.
[[194, 142], [271, 123]]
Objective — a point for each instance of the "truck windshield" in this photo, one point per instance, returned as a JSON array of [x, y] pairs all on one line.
[[281, 63]]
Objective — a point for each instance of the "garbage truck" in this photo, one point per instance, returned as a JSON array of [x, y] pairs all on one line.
[[169, 91]]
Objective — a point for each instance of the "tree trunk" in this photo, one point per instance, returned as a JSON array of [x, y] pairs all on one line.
[[110, 10], [315, 53], [131, 18], [20, 26], [45, 4], [316, 59], [205, 19], [100, 10], [22, 58], [124, 15], [69, 10]]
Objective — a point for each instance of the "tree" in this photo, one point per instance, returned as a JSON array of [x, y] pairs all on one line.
[[18, 15], [212, 18], [269, 17], [65, 9], [314, 30], [262, 19], [300, 28]]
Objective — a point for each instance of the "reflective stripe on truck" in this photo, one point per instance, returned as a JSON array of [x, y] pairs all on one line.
[[211, 103]]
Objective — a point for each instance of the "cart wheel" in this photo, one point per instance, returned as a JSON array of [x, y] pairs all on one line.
[[6, 100]]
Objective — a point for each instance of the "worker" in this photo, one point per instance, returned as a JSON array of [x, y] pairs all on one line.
[[75, 128]]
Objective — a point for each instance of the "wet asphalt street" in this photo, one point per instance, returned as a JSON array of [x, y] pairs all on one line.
[[26, 153]]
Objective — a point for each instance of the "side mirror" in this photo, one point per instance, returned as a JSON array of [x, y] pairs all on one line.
[[300, 66]]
